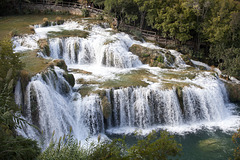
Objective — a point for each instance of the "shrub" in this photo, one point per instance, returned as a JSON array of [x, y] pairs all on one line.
[[59, 21], [160, 59], [150, 147], [153, 147], [45, 22], [85, 13]]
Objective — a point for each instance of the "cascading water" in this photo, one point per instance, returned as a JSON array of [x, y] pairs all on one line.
[[75, 50], [52, 104], [145, 107]]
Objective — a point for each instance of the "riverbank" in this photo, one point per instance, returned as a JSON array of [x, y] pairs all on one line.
[[19, 24]]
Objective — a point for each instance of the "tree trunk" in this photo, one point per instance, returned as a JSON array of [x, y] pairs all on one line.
[[142, 19]]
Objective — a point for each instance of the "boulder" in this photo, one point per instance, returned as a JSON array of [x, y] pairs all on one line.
[[60, 63], [233, 90], [69, 78], [153, 57]]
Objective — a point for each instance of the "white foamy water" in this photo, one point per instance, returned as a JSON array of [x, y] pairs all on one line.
[[53, 105]]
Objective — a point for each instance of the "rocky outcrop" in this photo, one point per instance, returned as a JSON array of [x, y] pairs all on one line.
[[69, 78], [60, 63], [233, 92], [153, 57]]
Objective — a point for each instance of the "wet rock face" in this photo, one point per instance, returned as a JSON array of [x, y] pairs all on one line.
[[233, 92]]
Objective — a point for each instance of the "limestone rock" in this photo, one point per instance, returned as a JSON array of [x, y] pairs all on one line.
[[233, 92], [153, 57]]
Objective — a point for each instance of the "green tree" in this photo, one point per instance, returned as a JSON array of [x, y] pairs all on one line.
[[223, 33], [172, 19], [142, 6], [99, 3], [122, 10]]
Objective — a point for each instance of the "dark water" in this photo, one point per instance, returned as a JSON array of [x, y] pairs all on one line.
[[202, 145]]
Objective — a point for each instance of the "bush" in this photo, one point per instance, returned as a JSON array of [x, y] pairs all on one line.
[[45, 22], [85, 13], [59, 21], [153, 147], [150, 147]]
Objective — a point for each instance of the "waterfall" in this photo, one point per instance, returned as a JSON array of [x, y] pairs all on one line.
[[145, 107], [52, 106], [75, 50], [50, 103]]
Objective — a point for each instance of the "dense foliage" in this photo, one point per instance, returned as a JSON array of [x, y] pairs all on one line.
[[150, 147], [12, 146]]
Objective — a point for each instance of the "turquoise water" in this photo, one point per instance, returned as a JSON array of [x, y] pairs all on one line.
[[202, 145], [206, 145]]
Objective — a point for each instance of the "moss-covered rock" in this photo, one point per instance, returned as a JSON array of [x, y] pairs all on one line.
[[180, 97], [106, 107], [33, 63], [153, 57], [44, 47], [86, 90], [132, 79], [67, 33], [24, 79], [34, 107], [80, 71], [69, 78], [233, 92], [60, 63]]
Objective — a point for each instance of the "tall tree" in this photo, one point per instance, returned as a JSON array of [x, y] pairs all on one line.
[[142, 6], [120, 9], [223, 32]]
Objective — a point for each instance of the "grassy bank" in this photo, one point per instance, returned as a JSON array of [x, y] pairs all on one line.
[[20, 23]]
